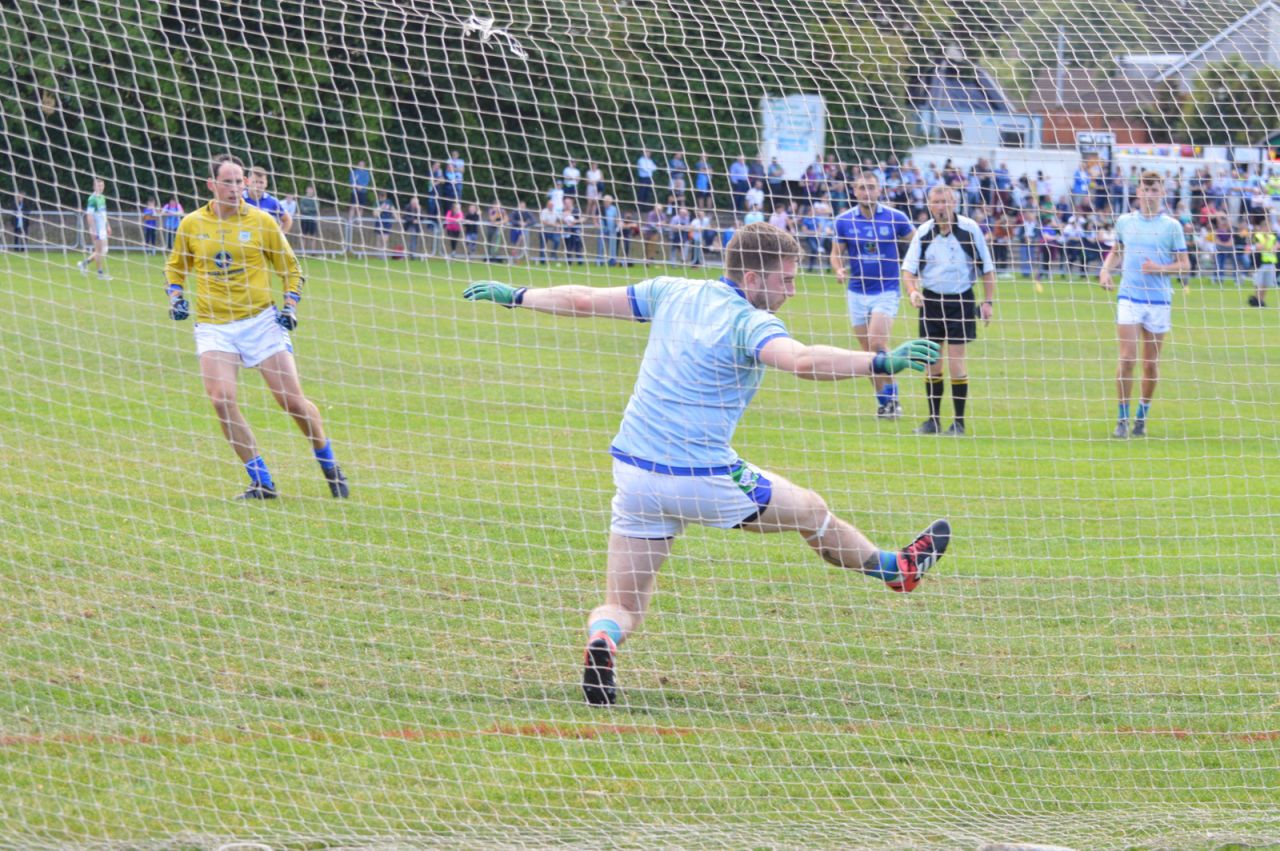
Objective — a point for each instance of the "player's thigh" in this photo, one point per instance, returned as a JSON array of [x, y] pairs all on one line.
[[956, 353], [1152, 342], [1127, 336], [791, 508], [218, 373], [633, 567], [880, 327], [280, 372]]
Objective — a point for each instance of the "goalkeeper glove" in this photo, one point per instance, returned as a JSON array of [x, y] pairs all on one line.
[[288, 315], [915, 354], [495, 292], [179, 308]]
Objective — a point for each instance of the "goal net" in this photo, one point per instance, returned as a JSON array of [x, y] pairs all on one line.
[[1092, 665]]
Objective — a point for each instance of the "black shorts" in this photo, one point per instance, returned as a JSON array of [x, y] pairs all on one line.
[[949, 318], [310, 227]]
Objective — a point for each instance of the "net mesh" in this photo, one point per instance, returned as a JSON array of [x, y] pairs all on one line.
[[1094, 664]]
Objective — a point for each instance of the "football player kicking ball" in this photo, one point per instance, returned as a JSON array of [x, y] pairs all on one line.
[[672, 462], [229, 245]]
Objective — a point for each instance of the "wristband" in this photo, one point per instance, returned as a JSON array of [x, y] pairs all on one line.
[[292, 297], [879, 364], [990, 302], [174, 290], [518, 298]]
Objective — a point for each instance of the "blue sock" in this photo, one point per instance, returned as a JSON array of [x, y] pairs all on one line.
[[325, 457], [888, 569], [1143, 407], [608, 627], [258, 472], [883, 396], [1124, 412], [891, 390]]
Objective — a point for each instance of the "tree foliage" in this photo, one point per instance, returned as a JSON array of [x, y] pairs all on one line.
[[144, 94]]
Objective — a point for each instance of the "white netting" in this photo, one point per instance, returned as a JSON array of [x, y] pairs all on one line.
[[1094, 664]]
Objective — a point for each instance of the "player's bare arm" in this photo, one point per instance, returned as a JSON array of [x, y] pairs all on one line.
[[829, 363], [567, 300]]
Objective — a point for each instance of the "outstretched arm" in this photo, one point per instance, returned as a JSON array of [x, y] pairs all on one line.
[[828, 363], [568, 300]]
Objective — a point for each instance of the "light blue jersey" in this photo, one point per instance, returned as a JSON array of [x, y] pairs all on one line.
[[700, 371], [1158, 238]]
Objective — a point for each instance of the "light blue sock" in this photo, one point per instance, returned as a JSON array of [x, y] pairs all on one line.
[[888, 569], [608, 627], [1124, 412], [258, 472], [1143, 407]]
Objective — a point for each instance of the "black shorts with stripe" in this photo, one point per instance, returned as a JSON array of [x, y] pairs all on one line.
[[949, 317]]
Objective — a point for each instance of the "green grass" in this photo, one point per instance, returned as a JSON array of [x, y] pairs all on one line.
[[1095, 663]]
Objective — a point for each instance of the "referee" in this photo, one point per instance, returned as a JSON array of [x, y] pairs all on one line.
[[938, 273]]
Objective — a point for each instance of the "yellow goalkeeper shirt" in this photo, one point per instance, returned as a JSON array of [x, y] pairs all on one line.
[[232, 259]]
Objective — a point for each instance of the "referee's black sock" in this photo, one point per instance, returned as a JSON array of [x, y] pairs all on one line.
[[935, 387], [959, 396]]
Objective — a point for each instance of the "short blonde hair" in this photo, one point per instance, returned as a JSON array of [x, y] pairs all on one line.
[[758, 247]]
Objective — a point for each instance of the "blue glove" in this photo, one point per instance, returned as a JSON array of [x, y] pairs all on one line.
[[916, 354], [288, 315], [502, 294], [179, 307]]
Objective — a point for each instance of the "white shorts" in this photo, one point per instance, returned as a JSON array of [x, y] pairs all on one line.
[[100, 232], [861, 306], [1156, 318], [254, 339], [660, 505]]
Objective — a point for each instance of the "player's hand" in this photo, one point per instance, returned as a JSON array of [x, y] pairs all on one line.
[[287, 317], [916, 298], [1104, 278], [987, 310], [913, 354], [841, 272], [503, 294], [1151, 267], [179, 307]]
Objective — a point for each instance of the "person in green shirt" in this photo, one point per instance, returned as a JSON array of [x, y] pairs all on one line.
[[1264, 274], [309, 216], [95, 220]]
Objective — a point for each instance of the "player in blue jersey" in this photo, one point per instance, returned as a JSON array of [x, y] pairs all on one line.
[[672, 460], [866, 253], [256, 194], [1152, 248]]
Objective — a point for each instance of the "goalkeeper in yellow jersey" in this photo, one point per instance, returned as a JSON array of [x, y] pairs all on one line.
[[231, 247]]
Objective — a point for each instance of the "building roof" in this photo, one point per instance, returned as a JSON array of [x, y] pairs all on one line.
[[1085, 91]]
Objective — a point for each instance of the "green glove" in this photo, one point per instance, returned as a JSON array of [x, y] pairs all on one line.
[[502, 294], [915, 354]]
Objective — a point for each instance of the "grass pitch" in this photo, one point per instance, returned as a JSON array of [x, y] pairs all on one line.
[[1094, 662]]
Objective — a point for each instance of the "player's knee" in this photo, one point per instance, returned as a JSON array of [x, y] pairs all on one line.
[[815, 516]]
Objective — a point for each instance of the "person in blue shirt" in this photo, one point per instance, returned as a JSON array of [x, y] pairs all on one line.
[[256, 194], [866, 255], [1152, 248], [673, 465]]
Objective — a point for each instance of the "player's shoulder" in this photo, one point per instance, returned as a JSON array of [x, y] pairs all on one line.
[[966, 223], [895, 215], [256, 215], [922, 229]]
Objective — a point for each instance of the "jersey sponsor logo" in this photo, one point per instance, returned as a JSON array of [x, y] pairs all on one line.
[[884, 231], [222, 259]]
